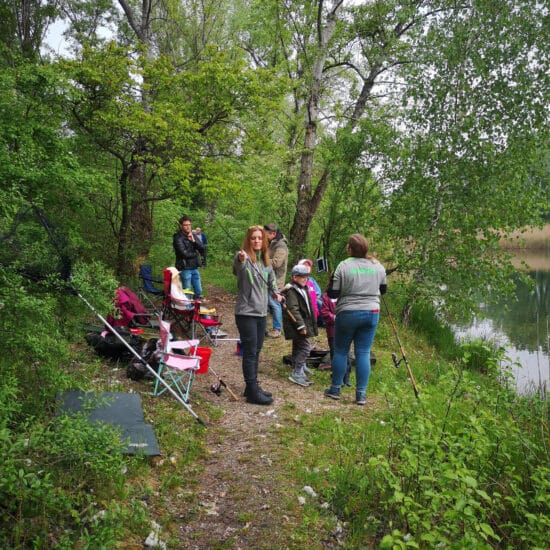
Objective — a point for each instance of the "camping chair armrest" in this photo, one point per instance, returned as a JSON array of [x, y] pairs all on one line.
[[181, 362], [152, 279], [182, 302]]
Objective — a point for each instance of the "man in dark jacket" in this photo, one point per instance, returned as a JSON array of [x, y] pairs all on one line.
[[188, 251]]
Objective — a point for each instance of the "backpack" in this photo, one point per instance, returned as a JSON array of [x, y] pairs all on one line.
[[151, 353], [109, 345]]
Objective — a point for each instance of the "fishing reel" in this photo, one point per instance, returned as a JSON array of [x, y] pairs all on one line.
[[396, 362], [217, 388]]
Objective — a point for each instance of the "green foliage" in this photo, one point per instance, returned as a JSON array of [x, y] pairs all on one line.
[[465, 171], [57, 482], [33, 348], [462, 467], [176, 138], [62, 477], [482, 355], [435, 330]]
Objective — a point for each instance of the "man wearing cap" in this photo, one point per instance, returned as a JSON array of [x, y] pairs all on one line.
[[278, 253]]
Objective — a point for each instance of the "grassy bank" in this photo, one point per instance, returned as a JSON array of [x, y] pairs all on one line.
[[463, 466]]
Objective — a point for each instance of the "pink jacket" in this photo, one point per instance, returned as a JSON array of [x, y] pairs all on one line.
[[313, 294], [328, 311]]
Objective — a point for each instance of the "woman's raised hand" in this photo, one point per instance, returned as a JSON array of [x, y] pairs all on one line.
[[242, 255]]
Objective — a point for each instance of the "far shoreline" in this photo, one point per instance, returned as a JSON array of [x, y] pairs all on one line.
[[531, 239]]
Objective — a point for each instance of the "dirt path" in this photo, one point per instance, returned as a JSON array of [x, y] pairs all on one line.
[[244, 481]]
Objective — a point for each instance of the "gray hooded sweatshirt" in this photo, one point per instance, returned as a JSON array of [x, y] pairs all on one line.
[[253, 282]]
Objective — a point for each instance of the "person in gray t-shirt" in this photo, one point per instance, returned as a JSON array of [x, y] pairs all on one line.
[[357, 284]]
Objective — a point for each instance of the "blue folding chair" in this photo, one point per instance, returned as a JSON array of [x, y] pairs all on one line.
[[146, 275]]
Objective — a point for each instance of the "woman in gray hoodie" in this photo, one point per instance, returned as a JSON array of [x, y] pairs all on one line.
[[255, 281]]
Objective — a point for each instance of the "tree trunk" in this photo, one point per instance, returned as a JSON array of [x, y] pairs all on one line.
[[141, 217], [308, 200], [124, 226], [139, 226]]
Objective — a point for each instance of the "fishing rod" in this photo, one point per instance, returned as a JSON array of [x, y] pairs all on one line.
[[403, 359], [227, 233], [66, 276], [141, 359], [217, 388]]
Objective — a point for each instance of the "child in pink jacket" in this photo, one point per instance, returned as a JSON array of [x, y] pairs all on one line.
[[328, 312]]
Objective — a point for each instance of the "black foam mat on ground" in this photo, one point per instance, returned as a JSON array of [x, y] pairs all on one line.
[[122, 410]]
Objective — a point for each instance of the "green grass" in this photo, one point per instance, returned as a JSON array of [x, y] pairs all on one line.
[[220, 275], [464, 466]]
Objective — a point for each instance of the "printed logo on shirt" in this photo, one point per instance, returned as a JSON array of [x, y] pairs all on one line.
[[363, 271]]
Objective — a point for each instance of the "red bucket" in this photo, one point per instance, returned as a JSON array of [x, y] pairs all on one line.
[[204, 354]]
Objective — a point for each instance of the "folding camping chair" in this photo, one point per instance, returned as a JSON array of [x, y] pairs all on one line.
[[146, 276], [177, 370], [176, 305], [209, 326], [129, 311], [187, 312], [206, 322]]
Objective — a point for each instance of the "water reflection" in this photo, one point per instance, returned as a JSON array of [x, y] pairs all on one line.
[[521, 326], [525, 321]]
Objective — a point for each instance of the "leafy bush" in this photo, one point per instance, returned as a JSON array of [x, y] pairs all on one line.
[[437, 332], [56, 477], [60, 478], [465, 467], [482, 355]]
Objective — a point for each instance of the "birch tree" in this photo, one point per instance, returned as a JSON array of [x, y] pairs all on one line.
[[420, 101]]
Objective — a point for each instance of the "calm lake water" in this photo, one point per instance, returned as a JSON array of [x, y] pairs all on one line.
[[521, 327]]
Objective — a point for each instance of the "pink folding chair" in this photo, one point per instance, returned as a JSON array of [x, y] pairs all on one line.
[[178, 364]]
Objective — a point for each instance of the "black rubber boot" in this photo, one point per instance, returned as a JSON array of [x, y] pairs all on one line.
[[261, 390], [254, 395], [265, 392]]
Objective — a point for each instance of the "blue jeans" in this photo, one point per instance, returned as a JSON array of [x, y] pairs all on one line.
[[191, 278], [276, 311], [358, 327]]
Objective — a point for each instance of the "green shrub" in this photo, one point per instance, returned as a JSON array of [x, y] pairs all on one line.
[[463, 467], [60, 478], [56, 478], [437, 332], [482, 356]]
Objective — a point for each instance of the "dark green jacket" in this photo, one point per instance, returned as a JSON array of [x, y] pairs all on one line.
[[297, 312]]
